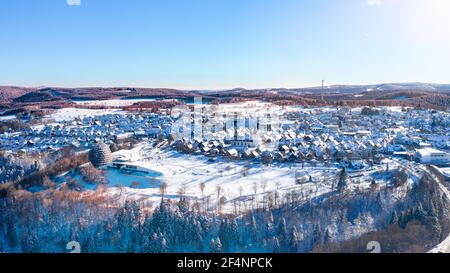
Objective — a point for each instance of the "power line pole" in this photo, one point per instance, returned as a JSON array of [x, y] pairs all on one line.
[[323, 88]]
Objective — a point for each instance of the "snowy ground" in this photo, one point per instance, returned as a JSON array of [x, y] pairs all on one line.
[[10, 117], [68, 114], [238, 180], [111, 103]]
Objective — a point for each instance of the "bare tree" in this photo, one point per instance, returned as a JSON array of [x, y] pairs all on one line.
[[202, 188], [264, 186], [277, 195], [255, 192], [222, 201], [207, 202], [162, 189], [241, 190], [219, 191], [182, 191]]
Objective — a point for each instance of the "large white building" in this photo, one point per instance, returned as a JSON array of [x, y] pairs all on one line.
[[432, 156]]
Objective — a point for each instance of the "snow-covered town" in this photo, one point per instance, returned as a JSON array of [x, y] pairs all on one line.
[[246, 147], [319, 134]]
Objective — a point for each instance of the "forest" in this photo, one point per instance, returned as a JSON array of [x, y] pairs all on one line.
[[46, 221]]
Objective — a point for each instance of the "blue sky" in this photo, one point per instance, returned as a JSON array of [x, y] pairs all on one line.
[[218, 44]]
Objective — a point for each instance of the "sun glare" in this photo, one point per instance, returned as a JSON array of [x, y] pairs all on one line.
[[429, 19]]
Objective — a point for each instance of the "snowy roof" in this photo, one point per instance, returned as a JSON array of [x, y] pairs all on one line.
[[428, 151]]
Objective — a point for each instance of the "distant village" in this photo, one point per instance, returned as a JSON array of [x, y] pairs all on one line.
[[313, 134], [352, 137]]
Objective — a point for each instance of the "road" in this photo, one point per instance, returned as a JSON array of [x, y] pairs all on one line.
[[444, 246]]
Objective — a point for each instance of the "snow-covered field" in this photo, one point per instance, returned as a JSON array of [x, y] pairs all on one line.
[[237, 180], [68, 114], [111, 103], [10, 117], [249, 182]]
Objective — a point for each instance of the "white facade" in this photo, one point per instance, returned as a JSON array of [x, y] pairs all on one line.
[[432, 156]]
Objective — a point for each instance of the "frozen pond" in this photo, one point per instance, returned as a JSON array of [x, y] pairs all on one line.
[[120, 178]]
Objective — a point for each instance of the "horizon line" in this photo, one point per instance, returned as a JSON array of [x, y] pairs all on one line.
[[215, 89]]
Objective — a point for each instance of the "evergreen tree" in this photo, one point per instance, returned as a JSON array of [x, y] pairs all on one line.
[[420, 213], [317, 236], [30, 241], [147, 227], [270, 218], [294, 240], [253, 231], [433, 222], [163, 220], [215, 246], [197, 238], [164, 246], [342, 182], [394, 218], [183, 206], [150, 244], [433, 210], [135, 227], [276, 245], [282, 232], [234, 233], [327, 237], [90, 244], [224, 235], [228, 234], [269, 227], [11, 233], [402, 218]]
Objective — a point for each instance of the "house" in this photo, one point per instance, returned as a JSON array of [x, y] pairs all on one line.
[[205, 149], [292, 157], [247, 154], [255, 154], [155, 131], [233, 153], [356, 164], [278, 156], [242, 144], [284, 149]]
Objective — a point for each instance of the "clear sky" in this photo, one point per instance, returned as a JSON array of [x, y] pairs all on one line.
[[218, 44]]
